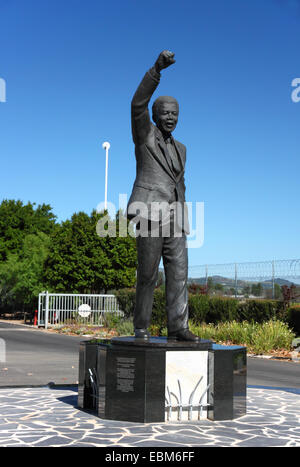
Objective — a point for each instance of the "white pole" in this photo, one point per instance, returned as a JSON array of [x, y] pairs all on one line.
[[106, 146], [47, 310]]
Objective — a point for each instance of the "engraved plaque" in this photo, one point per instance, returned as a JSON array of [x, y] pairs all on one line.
[[125, 374]]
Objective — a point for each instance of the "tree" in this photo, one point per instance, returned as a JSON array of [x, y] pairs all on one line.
[[246, 290], [122, 254], [21, 275], [210, 284], [277, 291], [257, 289], [18, 220], [82, 262], [289, 294], [39, 254], [197, 289]]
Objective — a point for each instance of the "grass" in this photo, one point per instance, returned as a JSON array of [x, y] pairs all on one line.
[[258, 338]]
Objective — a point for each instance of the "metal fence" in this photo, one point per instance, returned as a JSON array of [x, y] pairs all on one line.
[[90, 309], [234, 274], [61, 308]]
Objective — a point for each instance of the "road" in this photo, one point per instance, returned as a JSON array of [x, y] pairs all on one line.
[[273, 373], [37, 357]]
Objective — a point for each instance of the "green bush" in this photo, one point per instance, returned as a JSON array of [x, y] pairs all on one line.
[[126, 300], [257, 337], [272, 335], [125, 328], [159, 315], [236, 333], [260, 325], [111, 320], [198, 308], [205, 309], [222, 309], [260, 311]]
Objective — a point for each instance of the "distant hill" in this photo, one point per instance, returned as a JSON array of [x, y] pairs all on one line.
[[267, 284], [226, 282]]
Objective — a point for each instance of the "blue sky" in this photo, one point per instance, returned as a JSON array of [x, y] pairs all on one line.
[[71, 68]]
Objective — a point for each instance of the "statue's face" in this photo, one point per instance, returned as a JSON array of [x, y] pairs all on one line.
[[167, 116]]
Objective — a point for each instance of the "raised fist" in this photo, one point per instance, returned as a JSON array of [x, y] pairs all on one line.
[[165, 59]]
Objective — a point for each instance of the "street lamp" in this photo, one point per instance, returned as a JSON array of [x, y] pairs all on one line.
[[106, 146]]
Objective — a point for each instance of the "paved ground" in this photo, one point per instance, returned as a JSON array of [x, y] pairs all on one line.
[[49, 417], [44, 416]]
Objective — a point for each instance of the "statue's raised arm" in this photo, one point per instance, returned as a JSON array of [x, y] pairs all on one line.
[[140, 117]]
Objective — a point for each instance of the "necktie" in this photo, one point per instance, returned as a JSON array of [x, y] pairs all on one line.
[[173, 156]]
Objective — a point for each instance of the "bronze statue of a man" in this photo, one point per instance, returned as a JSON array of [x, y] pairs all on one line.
[[160, 182]]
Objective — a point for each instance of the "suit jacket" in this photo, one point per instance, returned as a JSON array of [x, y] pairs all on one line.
[[155, 180]]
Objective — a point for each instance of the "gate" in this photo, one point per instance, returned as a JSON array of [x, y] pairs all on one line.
[[75, 308]]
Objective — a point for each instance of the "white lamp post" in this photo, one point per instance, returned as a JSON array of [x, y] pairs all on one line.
[[106, 146]]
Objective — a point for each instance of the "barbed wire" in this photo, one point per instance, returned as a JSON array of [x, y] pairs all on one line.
[[255, 271]]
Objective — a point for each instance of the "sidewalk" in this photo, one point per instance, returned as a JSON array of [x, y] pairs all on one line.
[[48, 416]]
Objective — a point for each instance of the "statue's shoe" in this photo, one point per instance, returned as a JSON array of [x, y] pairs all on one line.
[[141, 334], [184, 335]]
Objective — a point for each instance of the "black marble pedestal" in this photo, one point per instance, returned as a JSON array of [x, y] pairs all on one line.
[[87, 361], [160, 379], [227, 367]]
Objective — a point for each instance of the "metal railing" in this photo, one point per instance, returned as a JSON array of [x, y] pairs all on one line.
[[55, 309], [179, 407]]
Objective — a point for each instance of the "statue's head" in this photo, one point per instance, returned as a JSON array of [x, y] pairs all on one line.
[[165, 112]]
